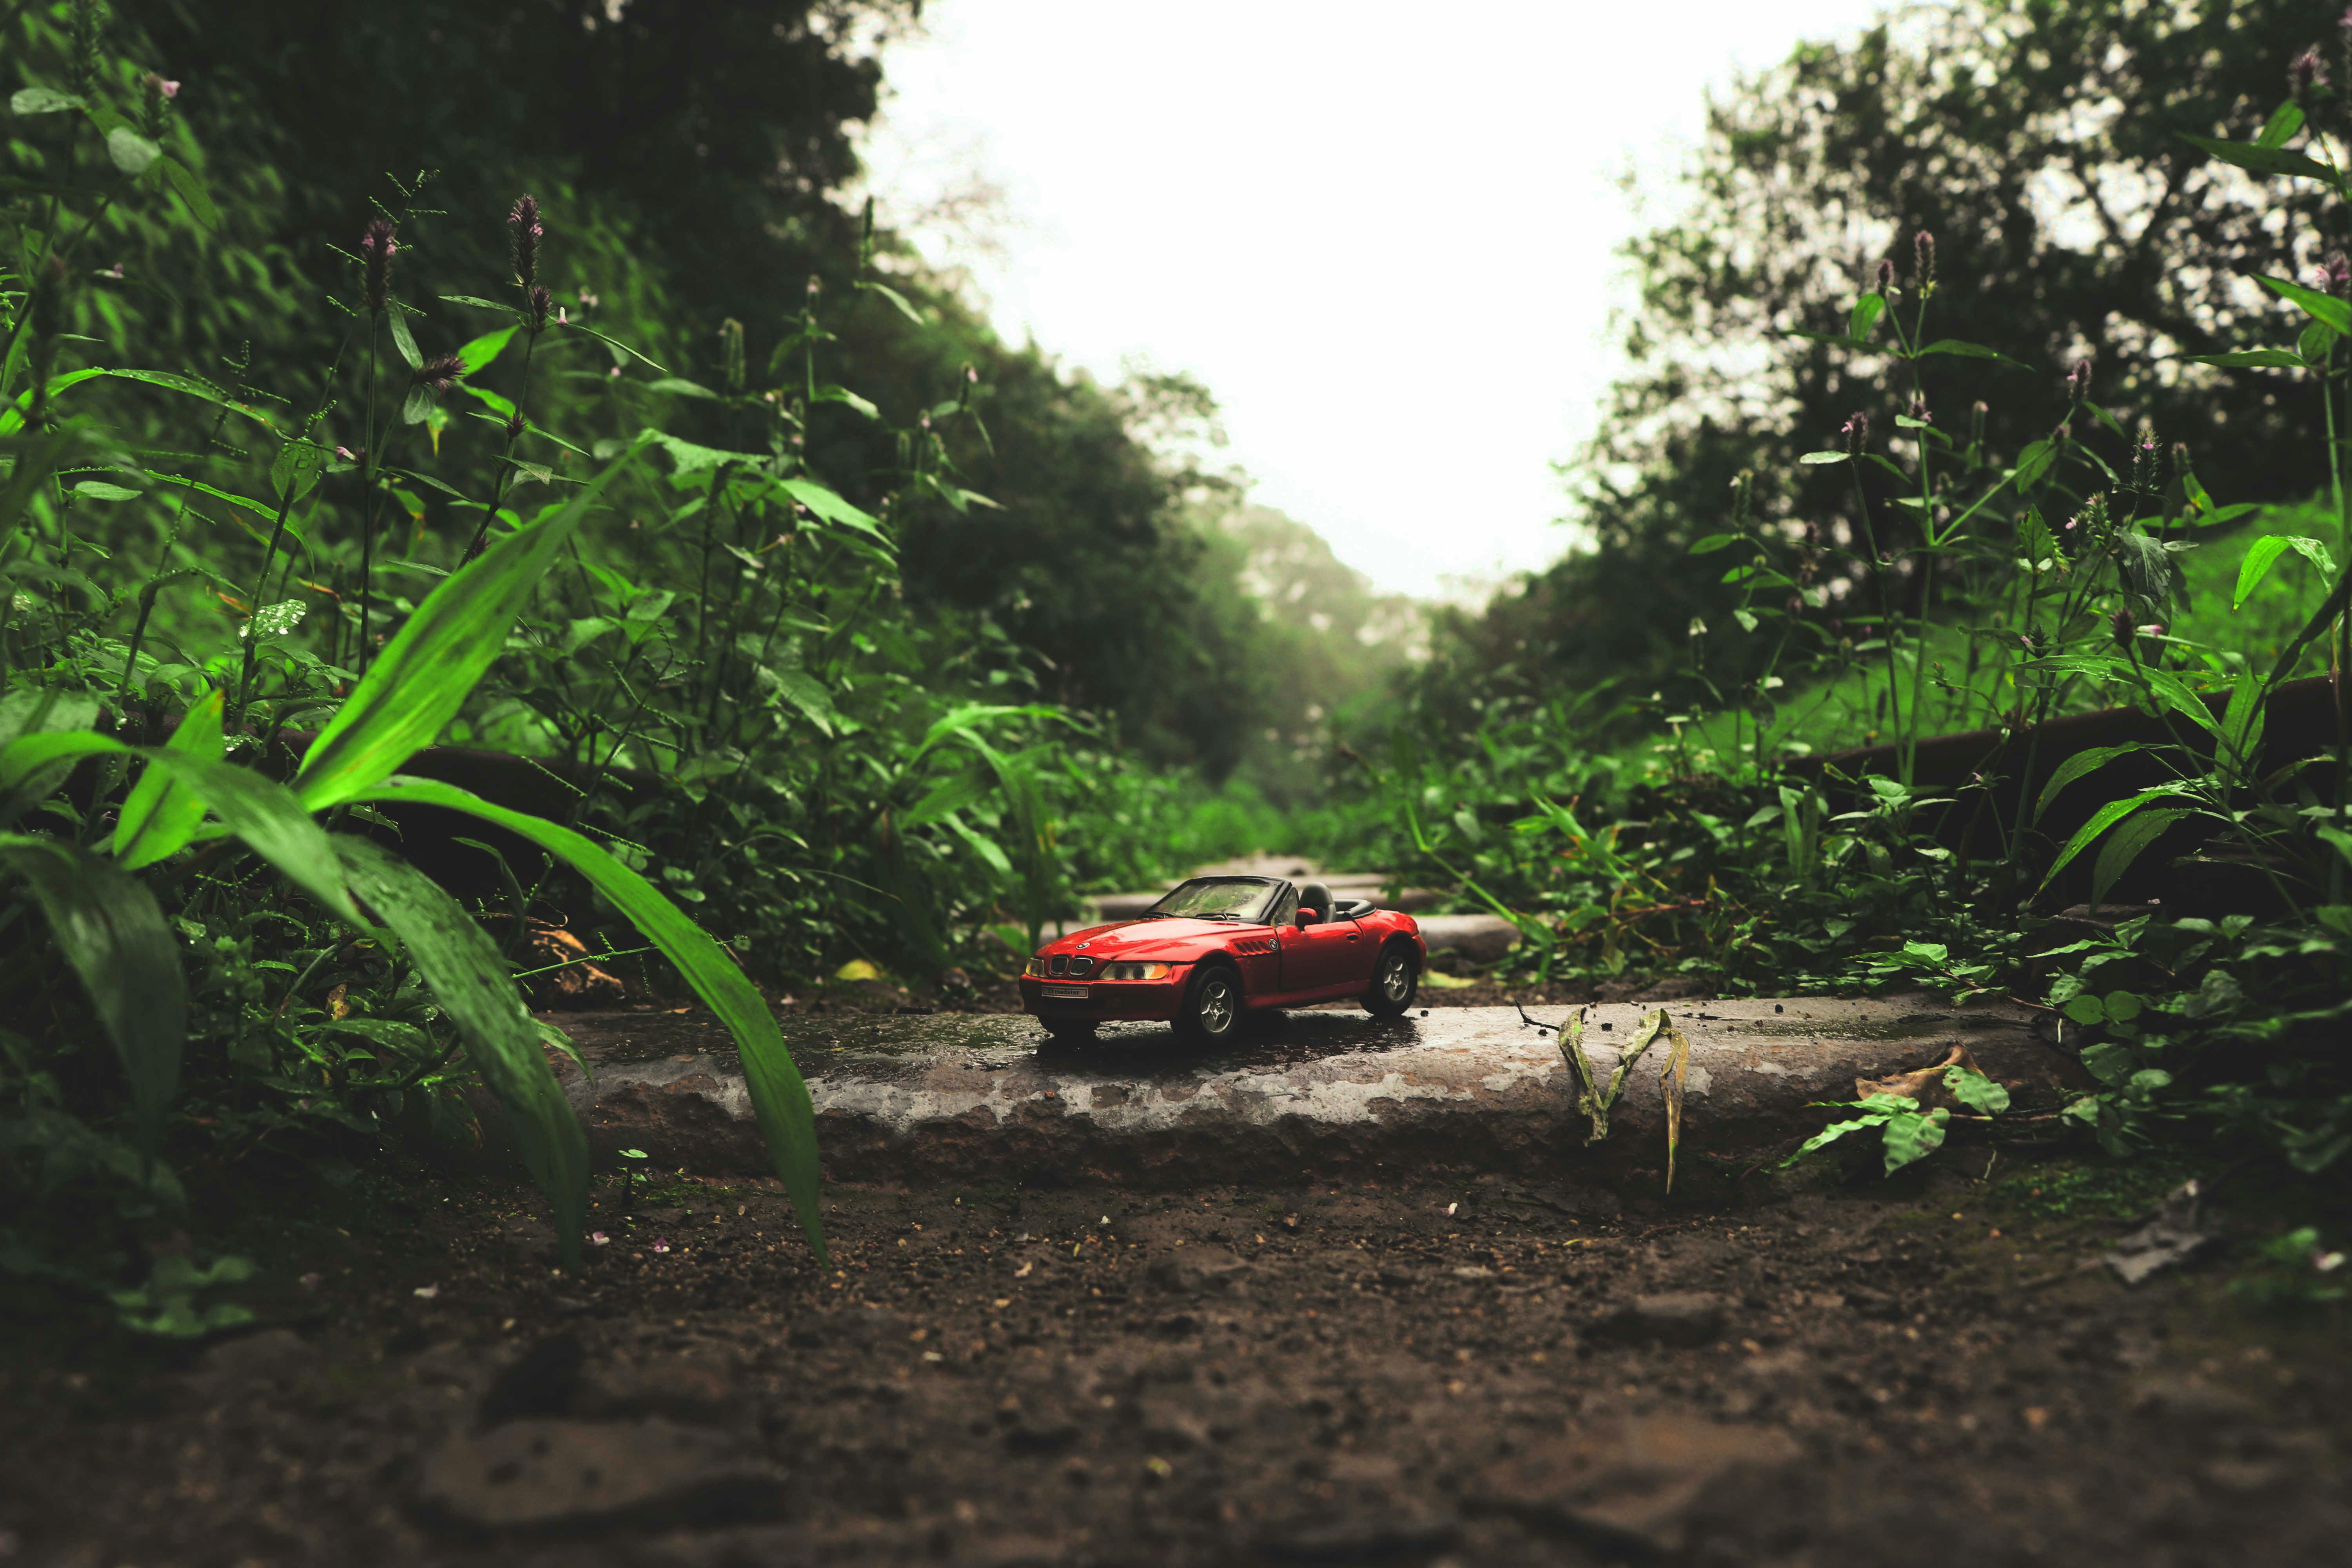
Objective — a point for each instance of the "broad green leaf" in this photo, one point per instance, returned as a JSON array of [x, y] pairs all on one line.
[[1969, 350], [132, 154], [830, 507], [1914, 1138], [2260, 160], [1975, 1090], [426, 673], [2106, 817], [297, 468], [2175, 693], [484, 304], [2244, 359], [99, 490], [41, 101], [111, 932], [2032, 462], [2326, 309], [261, 811], [402, 337], [1819, 457], [680, 386], [1863, 316], [808, 694], [274, 620], [830, 393], [779, 1098], [2125, 845], [2283, 122], [2313, 341], [243, 504], [468, 978], [163, 813], [474, 355], [191, 191], [1713, 543], [690, 458], [2074, 767], [2267, 550]]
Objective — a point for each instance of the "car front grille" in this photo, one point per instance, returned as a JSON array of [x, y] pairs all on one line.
[[1082, 965], [1057, 964]]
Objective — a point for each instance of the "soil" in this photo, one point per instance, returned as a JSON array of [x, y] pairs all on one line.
[[1381, 1368]]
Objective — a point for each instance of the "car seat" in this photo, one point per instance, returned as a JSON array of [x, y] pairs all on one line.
[[1317, 897]]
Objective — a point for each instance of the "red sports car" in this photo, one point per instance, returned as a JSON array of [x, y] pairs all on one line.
[[1219, 946]]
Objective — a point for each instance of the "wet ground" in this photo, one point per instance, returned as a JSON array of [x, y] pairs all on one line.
[[1384, 1370]]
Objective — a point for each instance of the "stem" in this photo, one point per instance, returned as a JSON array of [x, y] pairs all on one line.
[[1885, 612], [367, 492]]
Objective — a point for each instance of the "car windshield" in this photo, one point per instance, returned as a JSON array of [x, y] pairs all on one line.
[[1218, 899]]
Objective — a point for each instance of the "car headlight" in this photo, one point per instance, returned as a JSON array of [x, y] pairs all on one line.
[[1135, 972], [1036, 966]]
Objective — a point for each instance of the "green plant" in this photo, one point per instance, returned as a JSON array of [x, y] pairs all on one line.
[[1907, 1132], [2292, 1269]]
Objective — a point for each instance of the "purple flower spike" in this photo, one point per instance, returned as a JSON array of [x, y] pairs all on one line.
[[377, 247], [527, 231]]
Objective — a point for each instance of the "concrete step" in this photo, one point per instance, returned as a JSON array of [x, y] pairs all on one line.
[[985, 1097]]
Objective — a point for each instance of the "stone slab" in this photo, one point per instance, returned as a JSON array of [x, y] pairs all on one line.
[[989, 1097]]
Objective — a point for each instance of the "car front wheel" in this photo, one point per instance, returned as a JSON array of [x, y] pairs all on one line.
[[1211, 1008], [1395, 983]]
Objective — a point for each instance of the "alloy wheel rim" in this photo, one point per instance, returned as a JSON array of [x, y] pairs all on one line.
[[1216, 1006], [1394, 980]]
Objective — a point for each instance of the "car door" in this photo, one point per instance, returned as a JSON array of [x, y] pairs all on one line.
[[1324, 956]]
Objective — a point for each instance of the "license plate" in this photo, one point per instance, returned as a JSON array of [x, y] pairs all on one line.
[[1066, 992]]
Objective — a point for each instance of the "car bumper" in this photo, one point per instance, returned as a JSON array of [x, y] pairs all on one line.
[[1105, 1001]]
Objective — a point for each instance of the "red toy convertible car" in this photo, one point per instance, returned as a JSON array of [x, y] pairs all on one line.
[[1218, 946]]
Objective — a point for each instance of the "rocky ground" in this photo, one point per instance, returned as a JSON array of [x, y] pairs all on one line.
[[1365, 1368]]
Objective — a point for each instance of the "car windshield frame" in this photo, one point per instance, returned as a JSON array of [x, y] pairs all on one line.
[[1254, 912]]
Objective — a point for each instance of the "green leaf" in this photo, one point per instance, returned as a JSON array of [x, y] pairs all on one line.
[[132, 154], [468, 978], [1863, 316], [191, 191], [41, 101], [243, 504], [298, 469], [162, 812], [1968, 350], [1975, 1090], [2106, 817], [680, 387], [829, 506], [896, 298], [1914, 1137], [1833, 1132], [2086, 1010], [1713, 543], [2123, 1006], [779, 1098], [2074, 767], [2260, 160], [2326, 309], [479, 303], [99, 490], [402, 337], [2244, 359], [2267, 550], [805, 692], [2283, 122], [426, 673], [112, 934], [830, 393], [1819, 457], [2124, 847], [478, 354], [2033, 462], [617, 347]]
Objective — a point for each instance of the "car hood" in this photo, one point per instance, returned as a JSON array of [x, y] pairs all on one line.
[[1166, 941]]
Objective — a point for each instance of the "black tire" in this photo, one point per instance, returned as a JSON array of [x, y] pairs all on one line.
[[1070, 1031], [1211, 1010], [1396, 982]]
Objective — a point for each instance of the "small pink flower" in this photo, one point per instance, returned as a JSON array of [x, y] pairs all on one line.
[[2156, 630], [115, 270], [564, 315], [661, 1244], [346, 455], [598, 1238], [166, 90]]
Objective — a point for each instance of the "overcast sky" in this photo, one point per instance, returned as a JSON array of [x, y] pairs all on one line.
[[1383, 236]]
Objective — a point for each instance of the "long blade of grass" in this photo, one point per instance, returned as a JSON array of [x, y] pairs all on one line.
[[1670, 1085], [779, 1099], [426, 673], [469, 979], [162, 812], [111, 932]]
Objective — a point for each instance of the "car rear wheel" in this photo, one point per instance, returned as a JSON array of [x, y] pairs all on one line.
[[1211, 1009], [1395, 982]]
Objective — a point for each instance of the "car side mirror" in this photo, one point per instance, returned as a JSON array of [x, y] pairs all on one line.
[[1307, 917]]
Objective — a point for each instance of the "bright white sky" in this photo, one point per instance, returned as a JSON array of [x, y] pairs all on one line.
[[1384, 237]]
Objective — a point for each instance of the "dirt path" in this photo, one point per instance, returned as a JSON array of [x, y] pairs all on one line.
[[1375, 1373]]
